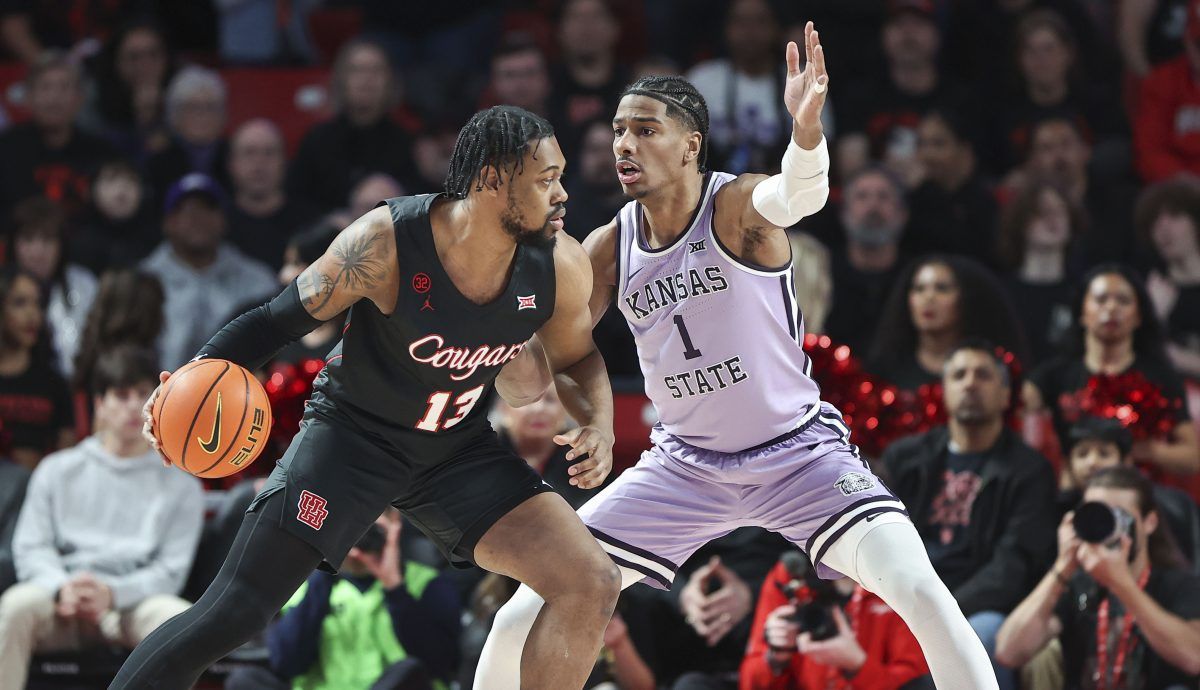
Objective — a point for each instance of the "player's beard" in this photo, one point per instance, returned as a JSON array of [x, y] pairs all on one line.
[[541, 236]]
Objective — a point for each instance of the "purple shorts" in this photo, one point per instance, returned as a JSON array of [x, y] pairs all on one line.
[[810, 486]]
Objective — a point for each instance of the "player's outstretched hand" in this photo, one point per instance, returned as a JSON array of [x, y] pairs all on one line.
[[589, 472], [148, 417], [805, 90]]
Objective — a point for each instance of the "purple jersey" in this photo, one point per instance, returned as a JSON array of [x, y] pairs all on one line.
[[719, 339]]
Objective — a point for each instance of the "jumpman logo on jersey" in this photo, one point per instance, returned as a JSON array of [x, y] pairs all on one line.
[[427, 305], [694, 247]]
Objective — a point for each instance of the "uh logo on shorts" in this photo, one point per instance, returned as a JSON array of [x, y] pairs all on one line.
[[312, 509]]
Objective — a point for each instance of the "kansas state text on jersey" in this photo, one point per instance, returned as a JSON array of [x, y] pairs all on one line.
[[719, 339]]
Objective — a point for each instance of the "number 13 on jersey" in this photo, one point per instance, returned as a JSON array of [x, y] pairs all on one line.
[[432, 421]]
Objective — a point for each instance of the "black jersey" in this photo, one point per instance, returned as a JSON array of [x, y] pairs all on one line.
[[417, 381]]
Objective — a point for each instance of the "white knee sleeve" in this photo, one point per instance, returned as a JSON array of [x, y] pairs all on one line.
[[500, 663], [887, 557]]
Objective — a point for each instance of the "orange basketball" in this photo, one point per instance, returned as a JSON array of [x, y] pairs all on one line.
[[212, 418]]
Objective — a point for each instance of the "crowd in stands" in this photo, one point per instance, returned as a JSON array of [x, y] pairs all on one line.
[[1002, 294]]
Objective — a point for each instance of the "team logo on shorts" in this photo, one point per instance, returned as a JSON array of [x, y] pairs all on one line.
[[312, 509], [854, 482]]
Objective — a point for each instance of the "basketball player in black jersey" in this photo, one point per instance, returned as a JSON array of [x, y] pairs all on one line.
[[445, 293]]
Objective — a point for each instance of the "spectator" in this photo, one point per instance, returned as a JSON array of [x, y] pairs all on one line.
[[1058, 151], [953, 210], [132, 74], [1038, 230], [873, 647], [749, 125], [1052, 86], [265, 31], [432, 151], [13, 480], [119, 227], [37, 248], [700, 629], [936, 303], [303, 249], [1168, 219], [203, 276], [1156, 616], [28, 27], [589, 80], [365, 195], [197, 107], [519, 76], [1096, 443], [81, 584], [384, 621], [1115, 332], [530, 432], [49, 155], [878, 119], [1166, 139], [35, 406], [1150, 32], [982, 500], [360, 138], [128, 311], [873, 216], [262, 216], [596, 194]]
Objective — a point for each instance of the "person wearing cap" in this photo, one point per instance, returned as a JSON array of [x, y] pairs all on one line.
[[1096, 443], [1166, 135], [203, 276]]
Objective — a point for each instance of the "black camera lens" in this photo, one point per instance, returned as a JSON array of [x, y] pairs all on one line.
[[1100, 523]]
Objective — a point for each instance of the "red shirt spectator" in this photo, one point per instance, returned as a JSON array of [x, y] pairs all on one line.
[[1167, 135], [893, 657]]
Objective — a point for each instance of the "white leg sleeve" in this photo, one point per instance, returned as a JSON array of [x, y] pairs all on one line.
[[887, 557], [500, 663]]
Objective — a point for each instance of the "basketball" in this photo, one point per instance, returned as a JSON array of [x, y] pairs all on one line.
[[212, 418]]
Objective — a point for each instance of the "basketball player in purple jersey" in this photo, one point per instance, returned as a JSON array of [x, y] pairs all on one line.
[[701, 268]]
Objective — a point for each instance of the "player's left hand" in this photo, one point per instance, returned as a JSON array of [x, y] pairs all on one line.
[[841, 651], [1108, 566], [804, 91], [597, 445]]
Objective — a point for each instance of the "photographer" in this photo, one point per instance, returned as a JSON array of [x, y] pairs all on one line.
[[811, 634], [383, 623], [1119, 601]]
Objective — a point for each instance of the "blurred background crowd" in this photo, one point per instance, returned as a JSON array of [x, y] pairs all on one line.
[[1002, 296]]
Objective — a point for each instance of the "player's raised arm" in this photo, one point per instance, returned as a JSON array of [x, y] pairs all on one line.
[[359, 263], [802, 186], [585, 389]]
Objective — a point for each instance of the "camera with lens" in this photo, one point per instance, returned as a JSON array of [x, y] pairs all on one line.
[[1100, 523], [372, 540], [814, 598]]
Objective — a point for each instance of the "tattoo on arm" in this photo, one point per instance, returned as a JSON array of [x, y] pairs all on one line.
[[361, 271]]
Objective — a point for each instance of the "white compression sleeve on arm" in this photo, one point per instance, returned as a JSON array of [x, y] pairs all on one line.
[[800, 190]]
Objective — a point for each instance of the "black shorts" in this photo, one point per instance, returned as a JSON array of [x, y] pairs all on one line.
[[336, 482]]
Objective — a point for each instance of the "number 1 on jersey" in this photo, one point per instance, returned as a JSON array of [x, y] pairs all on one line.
[[689, 350], [437, 405]]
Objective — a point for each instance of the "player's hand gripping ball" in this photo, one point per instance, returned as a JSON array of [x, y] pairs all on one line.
[[211, 418]]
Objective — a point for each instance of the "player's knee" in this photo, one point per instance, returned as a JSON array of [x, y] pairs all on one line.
[[606, 583]]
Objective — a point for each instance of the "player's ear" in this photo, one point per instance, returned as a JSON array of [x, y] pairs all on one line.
[[692, 152], [489, 180]]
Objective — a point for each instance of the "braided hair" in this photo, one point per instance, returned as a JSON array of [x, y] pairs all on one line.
[[497, 137], [684, 103]]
